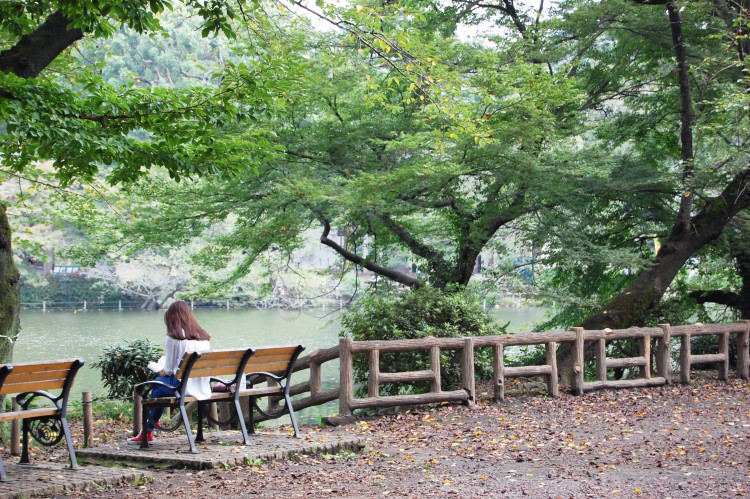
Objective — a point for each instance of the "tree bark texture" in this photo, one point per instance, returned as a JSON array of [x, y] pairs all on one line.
[[37, 50], [10, 297]]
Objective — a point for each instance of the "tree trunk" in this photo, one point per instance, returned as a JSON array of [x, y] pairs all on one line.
[[10, 297], [627, 308]]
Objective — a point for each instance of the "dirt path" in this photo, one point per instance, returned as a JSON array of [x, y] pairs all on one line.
[[676, 441]]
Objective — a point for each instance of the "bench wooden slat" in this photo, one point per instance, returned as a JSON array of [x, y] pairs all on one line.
[[53, 365], [209, 361], [275, 353], [271, 367], [218, 363], [262, 390], [16, 377], [31, 386], [224, 354], [215, 371], [31, 413], [215, 358]]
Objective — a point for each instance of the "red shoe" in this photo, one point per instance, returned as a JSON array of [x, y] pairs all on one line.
[[137, 439]]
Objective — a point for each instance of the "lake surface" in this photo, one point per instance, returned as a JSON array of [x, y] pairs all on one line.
[[57, 334]]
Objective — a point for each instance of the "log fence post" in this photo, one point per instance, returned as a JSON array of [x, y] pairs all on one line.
[[644, 349], [577, 381], [552, 384], [467, 370], [213, 413], [685, 358], [743, 342], [435, 384], [346, 378], [88, 420], [723, 373], [274, 403], [664, 354], [373, 376], [315, 378], [498, 371], [601, 360]]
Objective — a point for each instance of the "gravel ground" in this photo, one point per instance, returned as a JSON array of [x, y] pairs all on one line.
[[675, 441]]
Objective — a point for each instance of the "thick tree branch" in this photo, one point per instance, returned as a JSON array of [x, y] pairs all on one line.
[[686, 118], [37, 50], [392, 274], [716, 296], [417, 247]]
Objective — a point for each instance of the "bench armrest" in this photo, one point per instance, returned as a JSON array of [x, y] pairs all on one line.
[[24, 399], [143, 389], [220, 385], [260, 377]]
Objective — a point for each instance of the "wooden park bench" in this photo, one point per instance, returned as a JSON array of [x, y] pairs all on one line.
[[215, 364], [274, 366], [43, 414], [228, 369]]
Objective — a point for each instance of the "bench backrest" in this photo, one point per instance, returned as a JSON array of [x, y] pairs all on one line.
[[215, 363], [34, 376], [275, 360]]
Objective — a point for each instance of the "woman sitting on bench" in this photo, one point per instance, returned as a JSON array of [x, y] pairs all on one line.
[[184, 335]]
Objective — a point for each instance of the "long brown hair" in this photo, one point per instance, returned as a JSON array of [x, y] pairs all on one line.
[[181, 323]]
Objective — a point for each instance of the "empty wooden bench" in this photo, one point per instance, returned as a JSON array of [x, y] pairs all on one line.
[[46, 420], [274, 366], [215, 364]]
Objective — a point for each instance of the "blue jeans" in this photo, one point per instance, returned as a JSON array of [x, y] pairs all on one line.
[[160, 391]]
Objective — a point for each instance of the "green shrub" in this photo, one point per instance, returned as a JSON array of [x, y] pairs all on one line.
[[124, 366], [412, 315]]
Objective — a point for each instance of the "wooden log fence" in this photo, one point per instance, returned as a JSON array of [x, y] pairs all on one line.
[[652, 367]]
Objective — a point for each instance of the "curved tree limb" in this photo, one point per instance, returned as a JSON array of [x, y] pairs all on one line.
[[37, 50], [394, 275], [719, 296]]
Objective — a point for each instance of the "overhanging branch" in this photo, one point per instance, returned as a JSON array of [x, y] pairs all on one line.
[[37, 50], [392, 274]]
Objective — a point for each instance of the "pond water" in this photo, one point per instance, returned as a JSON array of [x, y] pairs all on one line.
[[58, 334]]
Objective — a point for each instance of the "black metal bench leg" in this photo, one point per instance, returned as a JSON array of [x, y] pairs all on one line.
[[186, 423], [241, 419], [25, 424], [199, 431], [290, 410], [69, 442]]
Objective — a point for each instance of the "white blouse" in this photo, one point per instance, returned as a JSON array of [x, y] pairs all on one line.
[[199, 388]]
